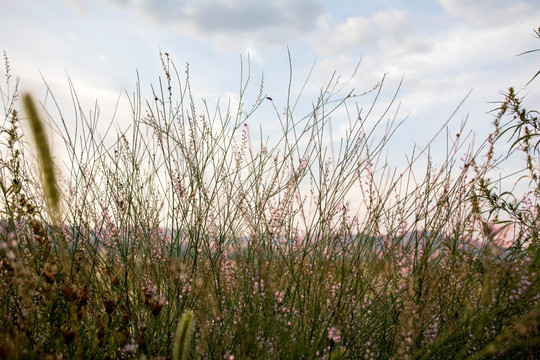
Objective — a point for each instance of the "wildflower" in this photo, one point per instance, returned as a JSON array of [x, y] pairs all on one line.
[[131, 348], [334, 334]]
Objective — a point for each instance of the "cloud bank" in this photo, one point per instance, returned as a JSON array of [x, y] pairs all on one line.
[[208, 17]]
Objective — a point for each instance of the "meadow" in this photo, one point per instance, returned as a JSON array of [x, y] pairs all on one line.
[[185, 237]]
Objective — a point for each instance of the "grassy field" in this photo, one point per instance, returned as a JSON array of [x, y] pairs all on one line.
[[260, 248]]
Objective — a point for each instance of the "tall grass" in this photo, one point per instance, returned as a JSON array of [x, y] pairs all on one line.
[[280, 248]]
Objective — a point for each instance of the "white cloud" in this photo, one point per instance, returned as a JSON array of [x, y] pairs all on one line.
[[78, 6], [391, 31], [334, 39], [488, 12], [392, 22]]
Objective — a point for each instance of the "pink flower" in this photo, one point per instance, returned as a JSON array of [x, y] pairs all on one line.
[[334, 334]]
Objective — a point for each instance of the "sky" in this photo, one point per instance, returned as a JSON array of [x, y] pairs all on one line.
[[441, 49]]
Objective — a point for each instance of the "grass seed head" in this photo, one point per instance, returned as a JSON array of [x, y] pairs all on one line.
[[46, 163]]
